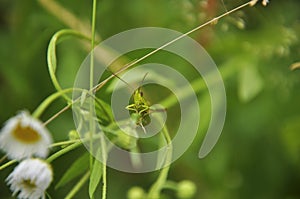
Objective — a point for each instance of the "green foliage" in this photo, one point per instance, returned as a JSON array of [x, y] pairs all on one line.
[[77, 168], [291, 139], [96, 175], [51, 55], [258, 153]]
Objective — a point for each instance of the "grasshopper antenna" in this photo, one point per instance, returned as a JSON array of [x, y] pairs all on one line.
[[144, 77], [98, 86], [223, 3], [122, 80], [142, 82]]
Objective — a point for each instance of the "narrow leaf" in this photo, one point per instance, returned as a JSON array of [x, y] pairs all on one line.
[[76, 169], [95, 175]]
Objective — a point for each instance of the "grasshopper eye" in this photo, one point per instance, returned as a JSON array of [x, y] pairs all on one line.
[[141, 93]]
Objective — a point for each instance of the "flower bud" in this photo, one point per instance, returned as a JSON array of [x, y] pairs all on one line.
[[136, 193], [186, 189], [73, 135]]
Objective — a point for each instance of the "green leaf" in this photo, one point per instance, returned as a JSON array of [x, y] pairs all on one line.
[[77, 168], [103, 112], [250, 83], [96, 175]]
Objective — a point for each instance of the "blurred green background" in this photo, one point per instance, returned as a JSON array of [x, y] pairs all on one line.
[[258, 153]]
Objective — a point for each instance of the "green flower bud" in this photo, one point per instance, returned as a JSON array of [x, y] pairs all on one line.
[[136, 193], [186, 189], [73, 135]]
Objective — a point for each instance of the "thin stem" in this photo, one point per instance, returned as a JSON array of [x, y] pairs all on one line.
[[91, 121], [65, 143], [63, 151], [212, 21], [104, 177], [162, 178], [57, 114], [42, 107], [224, 6], [78, 186], [170, 185], [169, 100], [7, 164], [69, 19]]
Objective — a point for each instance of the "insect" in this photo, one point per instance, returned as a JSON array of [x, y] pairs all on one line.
[[140, 108]]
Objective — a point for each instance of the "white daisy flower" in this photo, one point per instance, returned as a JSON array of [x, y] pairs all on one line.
[[30, 179], [24, 136]]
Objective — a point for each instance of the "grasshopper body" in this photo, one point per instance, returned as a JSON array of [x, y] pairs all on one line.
[[139, 109]]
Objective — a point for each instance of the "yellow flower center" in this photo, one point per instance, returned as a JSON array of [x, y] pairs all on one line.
[[26, 134], [29, 184]]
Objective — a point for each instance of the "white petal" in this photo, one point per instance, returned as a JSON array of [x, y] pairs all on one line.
[[16, 148], [35, 171]]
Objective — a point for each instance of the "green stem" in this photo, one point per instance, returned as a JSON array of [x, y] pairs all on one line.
[[7, 164], [51, 54], [65, 143], [70, 19], [91, 121], [104, 187], [156, 188], [63, 151], [74, 145], [170, 185], [78, 186], [42, 107], [198, 85]]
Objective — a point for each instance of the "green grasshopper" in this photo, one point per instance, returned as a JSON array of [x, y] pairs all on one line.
[[140, 108]]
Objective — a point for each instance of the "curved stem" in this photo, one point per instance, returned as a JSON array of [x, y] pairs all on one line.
[[170, 101], [156, 188], [51, 54], [63, 151], [65, 143], [42, 107]]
